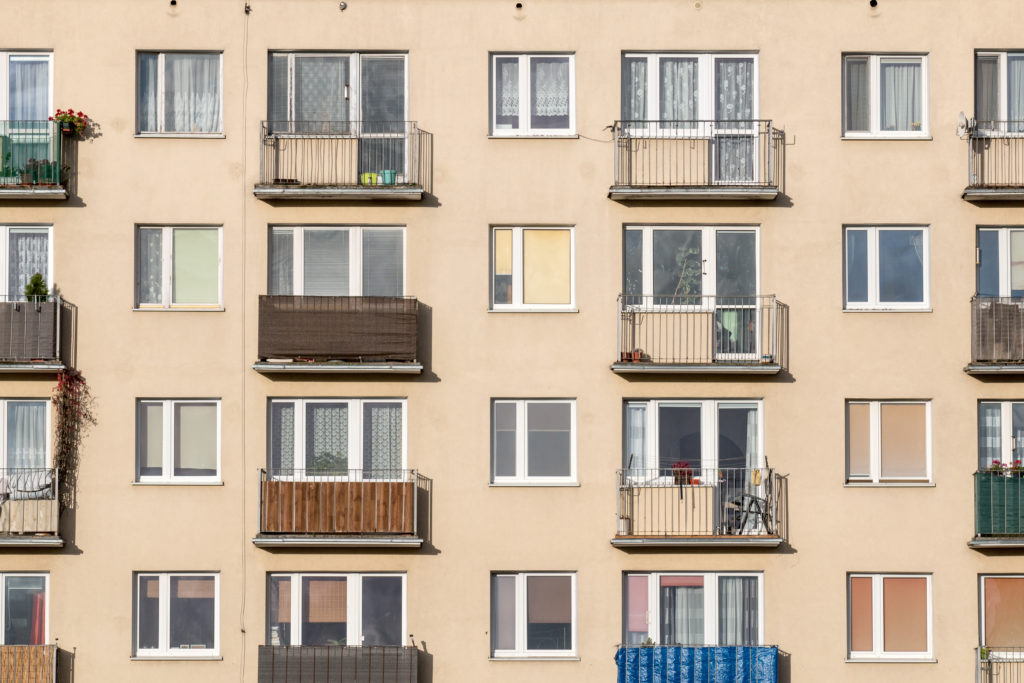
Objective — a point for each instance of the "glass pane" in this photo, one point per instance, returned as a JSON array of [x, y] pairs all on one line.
[[738, 619], [324, 610], [861, 618], [678, 266], [383, 271], [856, 266], [679, 92], [327, 438], [151, 248], [282, 437], [279, 611], [383, 90], [145, 105], [549, 92], [504, 439], [382, 610], [24, 610], [903, 440], [1017, 426], [325, 263], [734, 85], [547, 267], [195, 439], [988, 266], [737, 437], [736, 264], [151, 439], [856, 95], [986, 88], [858, 440], [635, 452], [506, 92], [1004, 603], [900, 86], [282, 261], [277, 93], [905, 614], [632, 264], [636, 627], [320, 89], [502, 267], [196, 266], [1016, 263], [901, 266], [503, 613], [548, 613], [26, 434], [548, 439], [681, 605], [634, 88], [192, 609], [382, 439], [29, 88], [679, 437], [192, 93], [149, 613], [1015, 91], [29, 250]]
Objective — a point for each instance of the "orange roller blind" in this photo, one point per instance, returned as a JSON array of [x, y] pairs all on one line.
[[905, 614], [1004, 605], [861, 639], [903, 440], [858, 438], [549, 599], [284, 601], [151, 587], [193, 587], [327, 600], [547, 267]]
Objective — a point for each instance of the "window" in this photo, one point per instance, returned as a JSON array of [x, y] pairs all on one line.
[[693, 608], [179, 93], [1000, 434], [533, 441], [1002, 603], [337, 261], [533, 94], [890, 616], [336, 609], [533, 614], [177, 615], [177, 441], [533, 269], [886, 268], [24, 609], [885, 95], [1000, 262], [27, 250], [998, 92], [888, 441], [341, 437], [178, 267], [26, 86]]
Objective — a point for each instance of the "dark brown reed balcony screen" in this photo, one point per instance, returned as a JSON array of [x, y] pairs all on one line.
[[343, 328], [28, 330]]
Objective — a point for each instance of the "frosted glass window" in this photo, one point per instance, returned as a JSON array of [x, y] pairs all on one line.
[[1002, 604], [904, 441], [178, 267], [905, 614], [858, 439], [532, 268], [889, 616], [195, 439], [503, 608], [861, 614], [533, 95], [533, 441], [177, 440]]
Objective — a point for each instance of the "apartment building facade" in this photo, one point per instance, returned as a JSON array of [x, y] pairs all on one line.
[[367, 292]]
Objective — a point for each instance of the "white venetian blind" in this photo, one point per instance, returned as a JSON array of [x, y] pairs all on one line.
[[382, 263], [325, 263]]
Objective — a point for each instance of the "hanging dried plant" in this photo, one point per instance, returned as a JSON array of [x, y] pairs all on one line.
[[72, 403]]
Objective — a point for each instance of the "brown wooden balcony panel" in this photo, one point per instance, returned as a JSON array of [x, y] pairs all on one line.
[[338, 507]]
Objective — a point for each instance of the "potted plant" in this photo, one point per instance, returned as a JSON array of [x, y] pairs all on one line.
[[681, 473], [71, 122], [29, 174], [36, 289]]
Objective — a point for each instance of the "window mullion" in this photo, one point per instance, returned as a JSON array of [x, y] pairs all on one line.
[[521, 612], [873, 255], [517, 266], [525, 105], [653, 612], [878, 627], [521, 440], [355, 424], [647, 261], [709, 263], [875, 433], [353, 589], [168, 440], [160, 92], [290, 88], [1004, 261], [355, 261], [710, 608], [298, 263], [295, 589], [874, 98], [709, 440], [164, 609], [167, 265], [1006, 432]]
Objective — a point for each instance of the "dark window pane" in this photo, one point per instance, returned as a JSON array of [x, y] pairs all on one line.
[[900, 266]]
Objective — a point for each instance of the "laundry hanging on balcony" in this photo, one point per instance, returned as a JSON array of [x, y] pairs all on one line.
[[676, 664]]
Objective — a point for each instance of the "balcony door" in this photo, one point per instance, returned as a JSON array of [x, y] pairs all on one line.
[[337, 261], [1000, 262], [1000, 434], [26, 103]]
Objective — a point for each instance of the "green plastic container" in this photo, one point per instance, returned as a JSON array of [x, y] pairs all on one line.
[[387, 177], [367, 178]]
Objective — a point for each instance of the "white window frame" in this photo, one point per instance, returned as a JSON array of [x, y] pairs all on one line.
[[353, 605], [1003, 93], [355, 433], [5, 231], [873, 303], [166, 651], [161, 94], [169, 429], [48, 437], [517, 271], [46, 599], [710, 602], [709, 410], [878, 618], [874, 96], [525, 103], [1014, 654], [875, 439], [167, 269], [355, 253], [5, 58], [1006, 437], [1003, 233], [522, 454], [520, 651]]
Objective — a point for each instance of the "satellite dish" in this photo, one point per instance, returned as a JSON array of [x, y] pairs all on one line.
[[961, 124]]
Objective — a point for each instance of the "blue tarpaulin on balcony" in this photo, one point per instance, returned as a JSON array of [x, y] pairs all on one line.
[[674, 664]]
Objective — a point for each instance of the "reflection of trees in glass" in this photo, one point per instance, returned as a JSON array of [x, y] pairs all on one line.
[[326, 460], [688, 268]]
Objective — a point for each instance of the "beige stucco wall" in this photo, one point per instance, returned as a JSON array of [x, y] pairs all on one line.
[[476, 355]]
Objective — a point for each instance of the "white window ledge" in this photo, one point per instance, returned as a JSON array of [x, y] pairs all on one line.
[[887, 310], [888, 485], [528, 484], [173, 658], [886, 660], [529, 309], [534, 137], [180, 309], [526, 658], [886, 137], [177, 483], [198, 136]]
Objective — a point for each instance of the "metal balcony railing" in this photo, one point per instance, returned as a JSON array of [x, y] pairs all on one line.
[[343, 328], [30, 154], [703, 330], [997, 329], [37, 330], [999, 665], [697, 664], [695, 502], [337, 664], [699, 154], [382, 502], [367, 154], [28, 663], [995, 155], [28, 501]]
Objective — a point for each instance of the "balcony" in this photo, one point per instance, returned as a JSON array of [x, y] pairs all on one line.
[[37, 336], [698, 160], [28, 663], [702, 334], [31, 161], [716, 507], [338, 334], [336, 664], [997, 335], [995, 161], [354, 508], [345, 160], [29, 511], [998, 509], [697, 664]]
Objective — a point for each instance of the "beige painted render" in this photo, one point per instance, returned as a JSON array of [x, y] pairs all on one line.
[[476, 355]]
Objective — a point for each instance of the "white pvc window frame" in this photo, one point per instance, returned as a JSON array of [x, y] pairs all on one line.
[[167, 269], [875, 440], [874, 303], [168, 405], [47, 437], [520, 650], [5, 251], [874, 62], [525, 101], [1004, 260], [46, 600], [878, 653], [1003, 92], [161, 95], [166, 650], [522, 447], [518, 273], [5, 61]]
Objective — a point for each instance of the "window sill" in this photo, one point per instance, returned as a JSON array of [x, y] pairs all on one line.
[[527, 658], [535, 136], [888, 485], [533, 309], [887, 137], [894, 660], [177, 483], [887, 310], [208, 136], [179, 309], [528, 484], [174, 658]]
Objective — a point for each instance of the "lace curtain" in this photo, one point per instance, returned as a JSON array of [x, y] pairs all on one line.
[[281, 261], [192, 93], [28, 255], [678, 89], [282, 437], [26, 434], [327, 437], [550, 86], [634, 89], [734, 82], [900, 96], [507, 80], [382, 439], [150, 266], [857, 95], [636, 427]]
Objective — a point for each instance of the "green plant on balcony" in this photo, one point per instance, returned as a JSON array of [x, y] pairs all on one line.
[[36, 289]]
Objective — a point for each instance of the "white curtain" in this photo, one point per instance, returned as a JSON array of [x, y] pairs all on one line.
[[382, 439], [28, 252], [146, 109], [737, 610], [986, 89], [734, 83], [636, 426], [281, 261], [634, 89], [1015, 92], [507, 85], [550, 86], [682, 615], [857, 95], [192, 93], [26, 434], [150, 265], [29, 88], [678, 89], [901, 96], [989, 433]]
